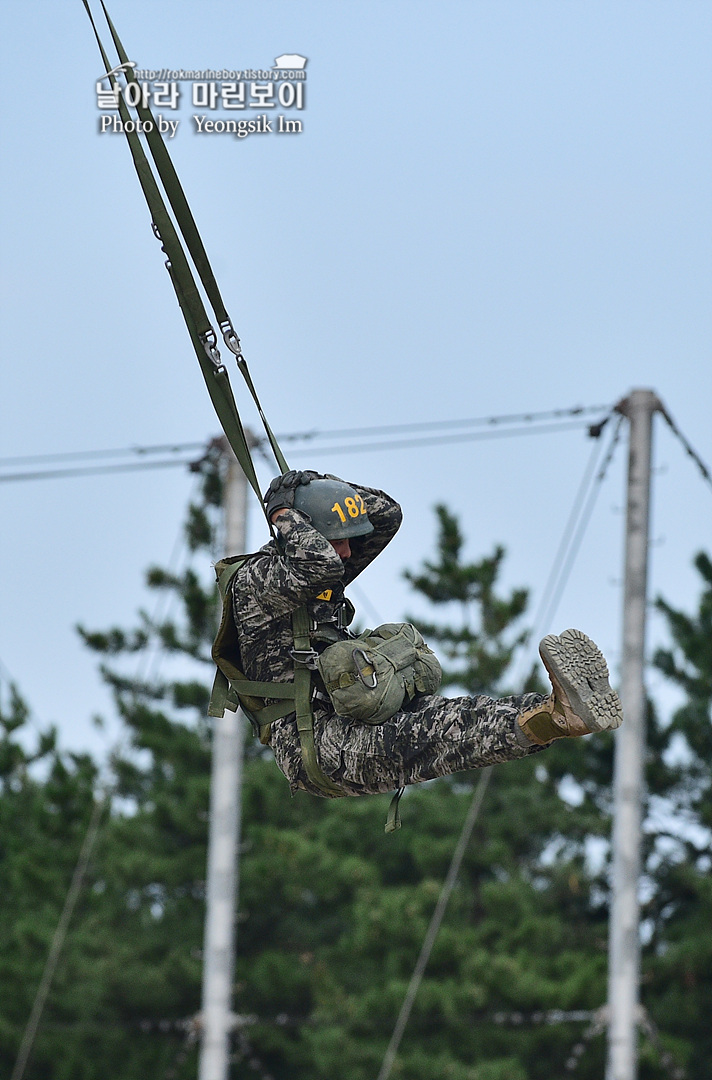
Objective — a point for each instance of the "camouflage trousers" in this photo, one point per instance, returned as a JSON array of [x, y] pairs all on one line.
[[435, 736]]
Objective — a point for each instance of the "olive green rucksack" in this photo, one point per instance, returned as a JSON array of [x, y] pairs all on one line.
[[369, 677]]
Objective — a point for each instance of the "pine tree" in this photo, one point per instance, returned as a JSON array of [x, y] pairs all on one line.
[[482, 646], [679, 912], [332, 912], [46, 801], [153, 885], [526, 927]]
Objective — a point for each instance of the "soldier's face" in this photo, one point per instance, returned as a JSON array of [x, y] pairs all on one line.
[[342, 549]]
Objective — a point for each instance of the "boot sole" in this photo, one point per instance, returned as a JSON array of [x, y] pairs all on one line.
[[579, 672]]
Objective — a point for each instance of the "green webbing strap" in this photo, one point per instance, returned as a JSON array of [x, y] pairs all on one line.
[[189, 299], [294, 697], [393, 821], [302, 701], [218, 384], [220, 696], [266, 689], [243, 368], [174, 190], [226, 694], [180, 271], [159, 214]]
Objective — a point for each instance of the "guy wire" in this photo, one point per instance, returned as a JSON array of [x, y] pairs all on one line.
[[707, 476], [573, 534], [435, 921]]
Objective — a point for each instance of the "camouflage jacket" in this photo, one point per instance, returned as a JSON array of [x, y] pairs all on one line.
[[307, 570], [432, 736]]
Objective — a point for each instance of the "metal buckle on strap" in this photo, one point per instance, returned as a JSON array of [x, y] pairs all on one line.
[[344, 613], [210, 343], [341, 618], [230, 338], [361, 671], [306, 657]]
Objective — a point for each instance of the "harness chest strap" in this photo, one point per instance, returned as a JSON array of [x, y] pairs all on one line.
[[296, 697], [231, 688], [302, 702]]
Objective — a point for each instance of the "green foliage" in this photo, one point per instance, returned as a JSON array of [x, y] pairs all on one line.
[[689, 666], [679, 970], [482, 646], [129, 977], [46, 799], [333, 912]]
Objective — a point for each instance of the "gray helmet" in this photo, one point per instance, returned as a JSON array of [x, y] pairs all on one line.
[[335, 509]]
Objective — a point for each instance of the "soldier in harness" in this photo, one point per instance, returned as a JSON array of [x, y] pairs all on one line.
[[344, 716], [327, 533]]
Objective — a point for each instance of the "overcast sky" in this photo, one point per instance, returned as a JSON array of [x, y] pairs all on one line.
[[492, 208]]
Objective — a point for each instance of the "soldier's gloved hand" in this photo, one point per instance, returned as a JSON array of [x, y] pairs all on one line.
[[280, 493]]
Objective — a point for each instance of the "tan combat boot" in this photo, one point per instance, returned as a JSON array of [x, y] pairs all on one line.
[[582, 701]]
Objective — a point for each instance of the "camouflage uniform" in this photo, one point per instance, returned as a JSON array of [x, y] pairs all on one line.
[[432, 736]]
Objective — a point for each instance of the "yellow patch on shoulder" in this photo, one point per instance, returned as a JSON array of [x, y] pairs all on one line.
[[325, 595]]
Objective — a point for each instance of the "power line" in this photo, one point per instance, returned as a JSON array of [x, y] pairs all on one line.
[[73, 455], [433, 928], [443, 440], [398, 444], [430, 425], [528, 420], [561, 550], [78, 876], [93, 470], [574, 532], [707, 476]]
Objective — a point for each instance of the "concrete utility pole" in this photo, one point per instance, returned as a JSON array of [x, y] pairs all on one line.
[[224, 835], [624, 939]]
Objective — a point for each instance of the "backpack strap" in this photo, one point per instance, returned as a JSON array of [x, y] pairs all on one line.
[[240, 692], [232, 689], [304, 660]]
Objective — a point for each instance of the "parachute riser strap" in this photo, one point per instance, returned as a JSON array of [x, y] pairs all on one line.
[[188, 296], [302, 701], [189, 229], [176, 196], [201, 333], [279, 456], [161, 219], [218, 384], [217, 381]]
